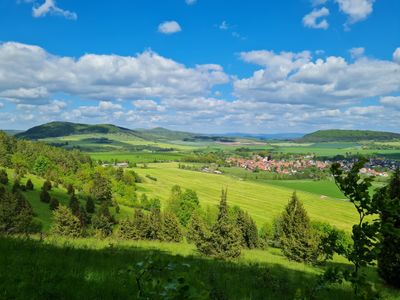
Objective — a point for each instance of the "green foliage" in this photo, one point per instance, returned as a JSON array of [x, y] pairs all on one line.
[[65, 223], [74, 205], [3, 177], [29, 185], [45, 196], [90, 206], [388, 202], [70, 189], [16, 186], [265, 235], [54, 204], [298, 240], [183, 205], [47, 186], [348, 136], [154, 228], [103, 222], [248, 230], [41, 165], [127, 230], [16, 214], [171, 229], [101, 188], [141, 223]]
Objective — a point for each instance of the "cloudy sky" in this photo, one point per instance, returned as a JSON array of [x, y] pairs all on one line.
[[206, 66]]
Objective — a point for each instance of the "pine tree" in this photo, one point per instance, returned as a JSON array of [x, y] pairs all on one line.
[[127, 230], [45, 196], [171, 229], [74, 205], [141, 223], [3, 177], [54, 204], [388, 199], [224, 240], [298, 240], [65, 223], [90, 206], [29, 185], [248, 230]]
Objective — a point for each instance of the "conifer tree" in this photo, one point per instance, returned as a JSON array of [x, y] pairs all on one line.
[[74, 205], [127, 230], [16, 186], [388, 199], [70, 189], [90, 206], [47, 186], [103, 221], [298, 240], [65, 223], [45, 196], [141, 223], [29, 185], [199, 234], [154, 231], [54, 204], [248, 230], [3, 177], [171, 229]]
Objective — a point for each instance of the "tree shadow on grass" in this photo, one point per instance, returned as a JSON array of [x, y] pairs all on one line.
[[30, 269]]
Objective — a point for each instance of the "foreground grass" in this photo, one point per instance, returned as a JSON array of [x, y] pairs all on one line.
[[58, 268]]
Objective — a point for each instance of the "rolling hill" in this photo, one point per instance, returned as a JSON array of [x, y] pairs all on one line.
[[336, 135], [59, 129]]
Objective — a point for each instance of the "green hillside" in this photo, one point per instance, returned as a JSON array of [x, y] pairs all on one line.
[[337, 135], [160, 133], [59, 129]]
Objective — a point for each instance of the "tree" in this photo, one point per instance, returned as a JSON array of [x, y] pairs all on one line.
[[298, 240], [224, 239], [65, 223], [54, 204], [127, 230], [16, 186], [101, 189], [45, 196], [388, 201], [41, 165], [248, 230], [171, 229], [119, 174], [70, 189], [199, 234], [103, 222], [154, 229], [74, 205], [90, 206], [141, 223], [3, 177], [29, 185], [186, 204], [47, 186]]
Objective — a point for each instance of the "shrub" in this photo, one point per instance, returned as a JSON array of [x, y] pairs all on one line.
[[29, 185], [3, 177], [65, 223], [54, 204], [171, 229]]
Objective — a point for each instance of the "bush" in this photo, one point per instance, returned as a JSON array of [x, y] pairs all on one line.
[[54, 204], [29, 185], [45, 196], [3, 177], [65, 223], [127, 230], [171, 229]]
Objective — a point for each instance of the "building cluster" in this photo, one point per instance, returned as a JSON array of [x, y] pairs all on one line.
[[278, 166], [117, 165]]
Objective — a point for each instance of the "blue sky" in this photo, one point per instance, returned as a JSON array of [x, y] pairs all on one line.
[[206, 66]]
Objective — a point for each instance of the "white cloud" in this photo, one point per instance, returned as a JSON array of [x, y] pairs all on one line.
[[29, 73], [190, 2], [311, 20], [390, 101], [357, 52], [50, 7], [356, 10], [295, 78], [396, 55], [169, 27], [148, 105], [108, 105], [1, 105], [223, 26], [318, 2]]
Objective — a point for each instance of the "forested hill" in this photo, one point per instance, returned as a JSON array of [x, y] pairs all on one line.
[[336, 135], [58, 129]]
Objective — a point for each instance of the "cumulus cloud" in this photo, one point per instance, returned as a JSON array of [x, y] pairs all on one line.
[[169, 27], [390, 101], [148, 105], [295, 78], [357, 52], [311, 20], [1, 105], [29, 72], [356, 10], [396, 55], [50, 7], [318, 2]]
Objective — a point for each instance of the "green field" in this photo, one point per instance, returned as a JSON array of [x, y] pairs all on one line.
[[262, 200], [137, 157], [99, 269]]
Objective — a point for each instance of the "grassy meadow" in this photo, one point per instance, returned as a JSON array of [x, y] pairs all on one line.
[[100, 269]]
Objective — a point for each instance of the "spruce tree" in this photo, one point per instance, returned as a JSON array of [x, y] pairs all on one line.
[[298, 240], [74, 205], [65, 223], [171, 229], [103, 221], [90, 206], [54, 204], [70, 189], [29, 185], [47, 185], [16, 186], [199, 234], [388, 199], [154, 231], [127, 230], [248, 230], [45, 196], [3, 177], [141, 223]]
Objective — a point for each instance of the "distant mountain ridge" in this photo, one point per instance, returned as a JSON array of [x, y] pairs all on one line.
[[58, 129], [337, 135]]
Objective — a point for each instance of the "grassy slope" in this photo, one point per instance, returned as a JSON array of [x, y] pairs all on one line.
[[96, 268], [262, 201]]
